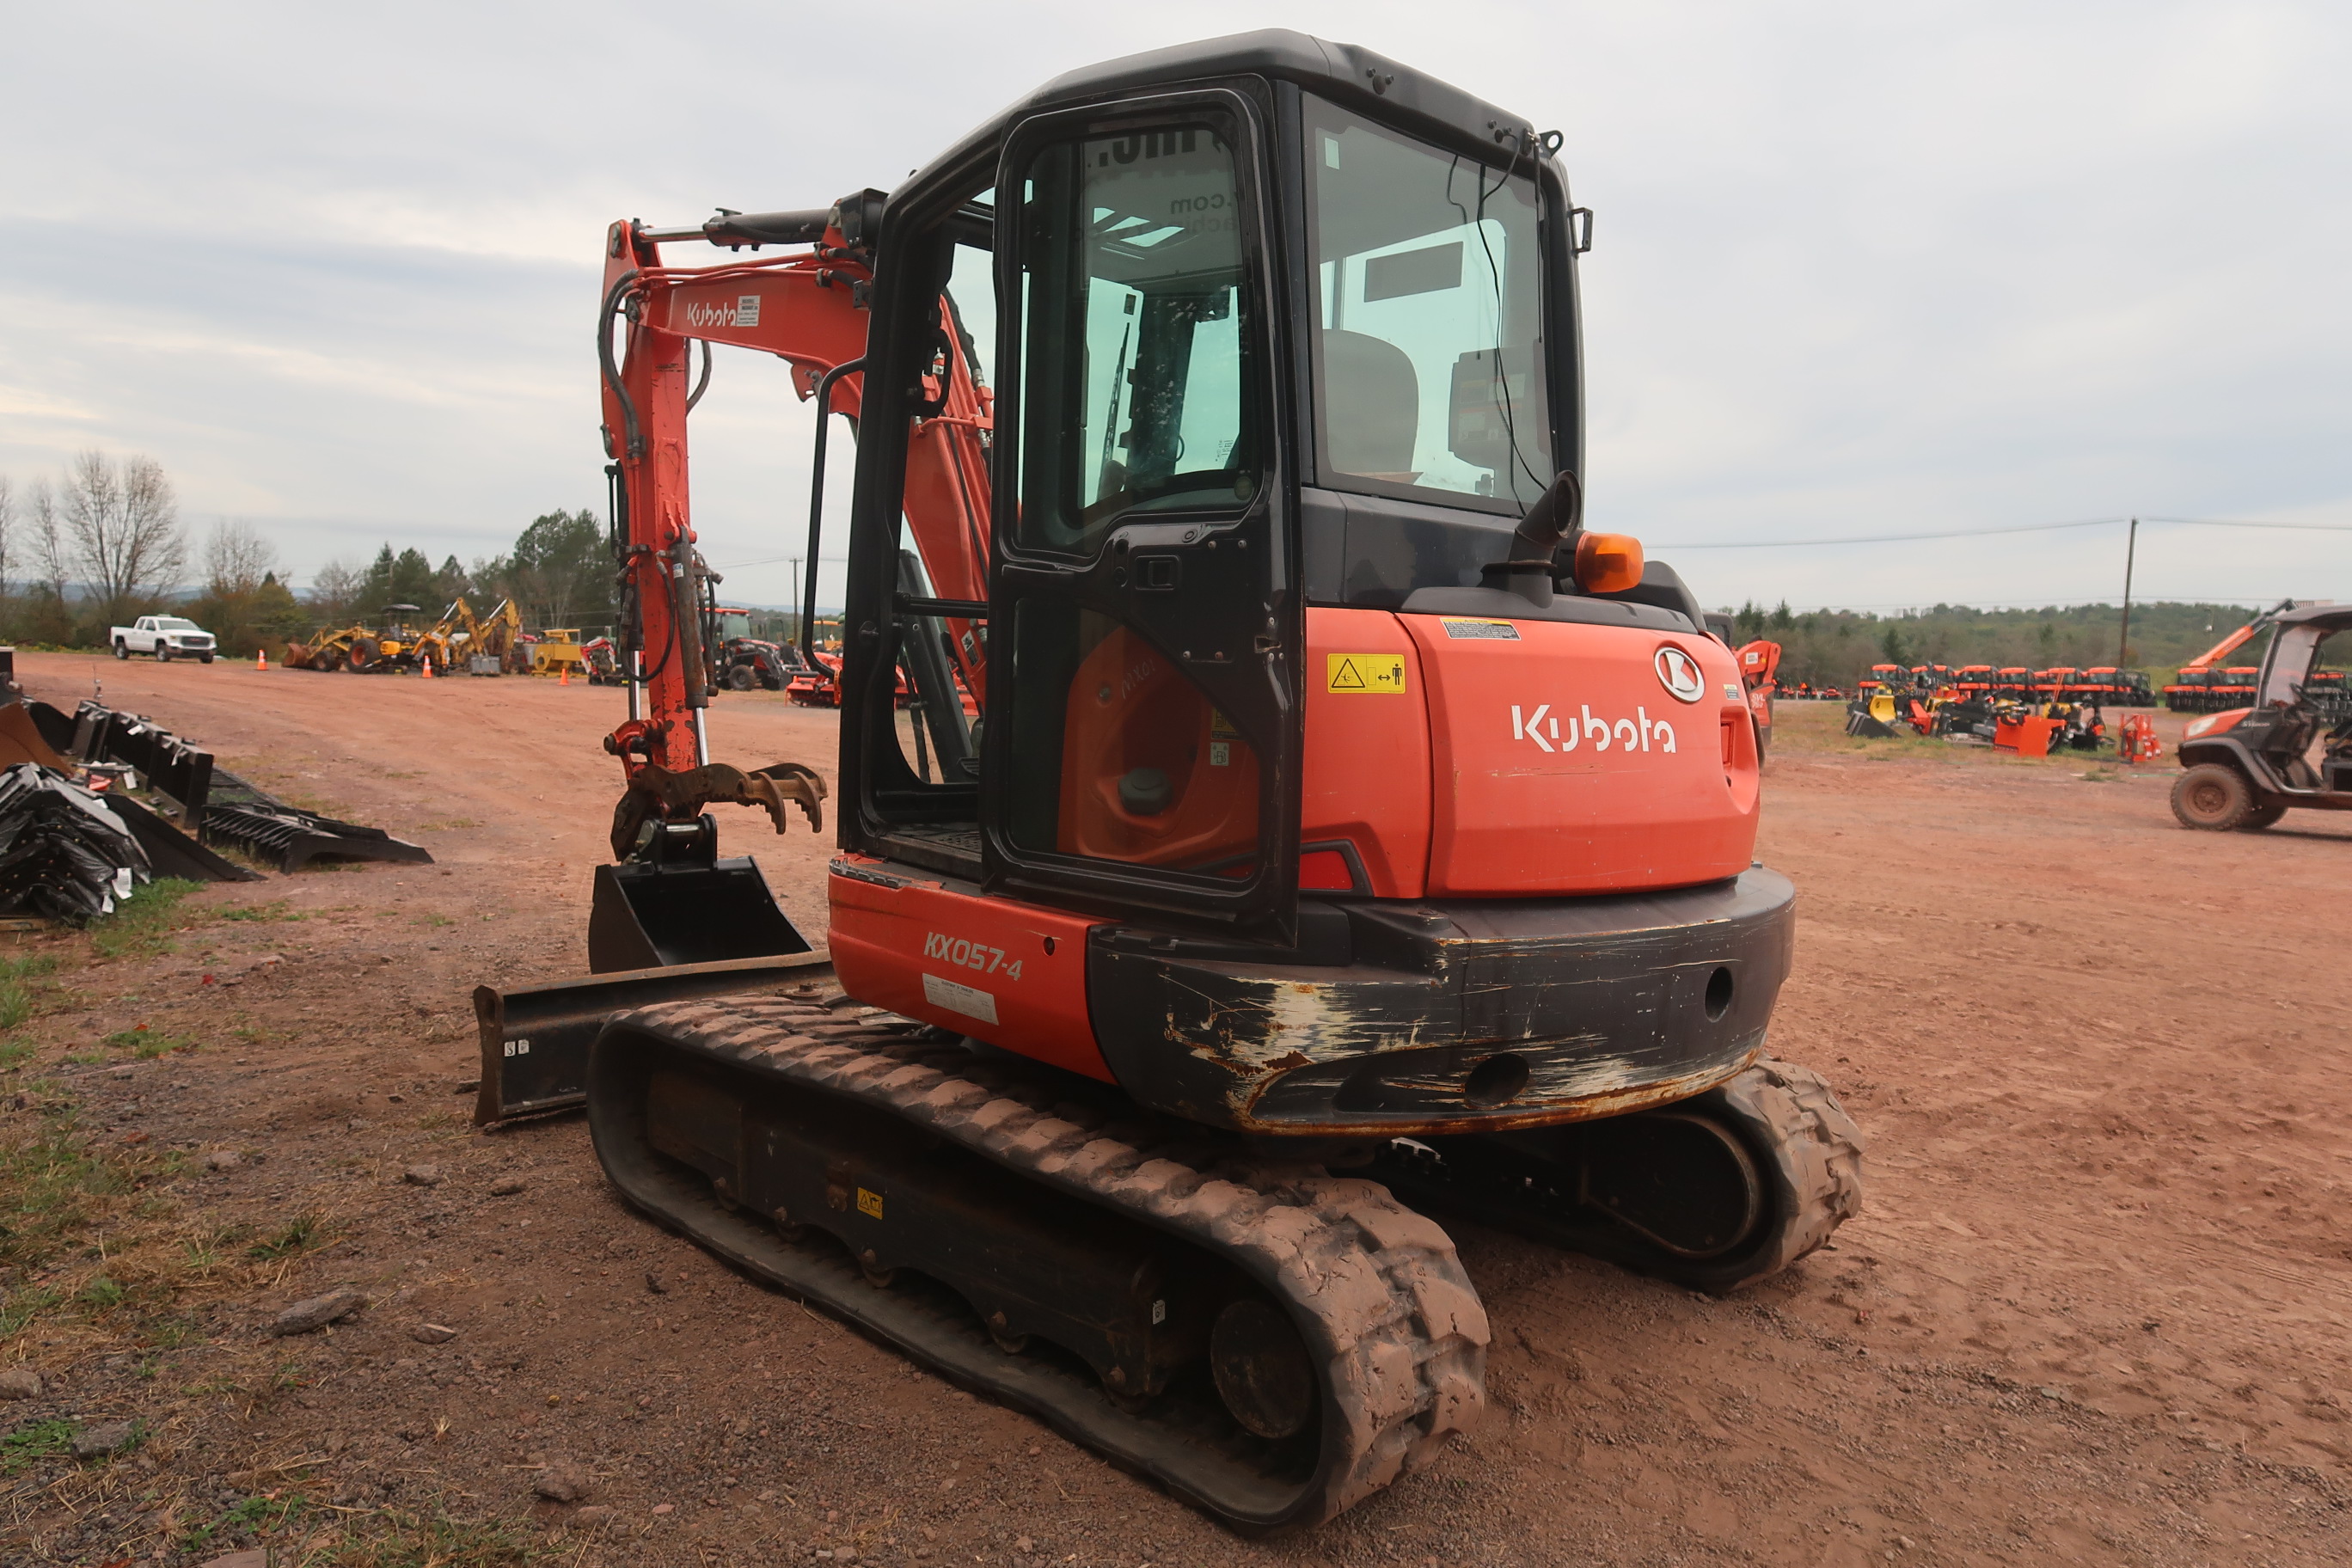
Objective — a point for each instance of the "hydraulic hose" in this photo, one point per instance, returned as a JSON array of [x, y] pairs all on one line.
[[632, 434]]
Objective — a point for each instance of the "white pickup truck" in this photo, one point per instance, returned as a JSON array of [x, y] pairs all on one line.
[[165, 636]]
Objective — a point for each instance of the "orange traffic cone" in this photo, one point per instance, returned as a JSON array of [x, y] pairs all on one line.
[[565, 679], [424, 670], [261, 658]]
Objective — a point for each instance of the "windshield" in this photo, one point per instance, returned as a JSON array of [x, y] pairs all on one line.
[[175, 623], [1429, 318]]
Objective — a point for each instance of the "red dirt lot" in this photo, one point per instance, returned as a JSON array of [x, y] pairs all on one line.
[[2095, 1308]]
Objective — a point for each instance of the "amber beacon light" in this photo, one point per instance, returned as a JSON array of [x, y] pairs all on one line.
[[1608, 563]]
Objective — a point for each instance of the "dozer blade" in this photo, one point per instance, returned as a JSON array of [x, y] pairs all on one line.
[[661, 916], [535, 1038]]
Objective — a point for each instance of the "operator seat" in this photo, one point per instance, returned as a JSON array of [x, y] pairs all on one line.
[[1372, 406]]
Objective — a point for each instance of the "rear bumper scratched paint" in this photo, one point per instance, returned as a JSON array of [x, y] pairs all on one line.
[[1608, 1003]]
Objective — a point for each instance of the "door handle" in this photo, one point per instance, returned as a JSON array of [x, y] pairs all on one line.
[[1158, 573]]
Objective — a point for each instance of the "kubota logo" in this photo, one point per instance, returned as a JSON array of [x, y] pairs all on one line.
[[1565, 733], [744, 313], [1678, 672]]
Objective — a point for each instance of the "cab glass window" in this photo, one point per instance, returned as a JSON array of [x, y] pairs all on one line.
[[1429, 338], [1132, 317]]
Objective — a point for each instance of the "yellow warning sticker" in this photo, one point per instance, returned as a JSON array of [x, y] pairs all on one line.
[[1356, 673], [869, 1203]]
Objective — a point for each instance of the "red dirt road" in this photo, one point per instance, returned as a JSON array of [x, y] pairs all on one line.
[[2094, 1311]]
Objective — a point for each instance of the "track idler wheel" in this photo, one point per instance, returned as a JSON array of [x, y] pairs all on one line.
[[1262, 1369], [1716, 1192]]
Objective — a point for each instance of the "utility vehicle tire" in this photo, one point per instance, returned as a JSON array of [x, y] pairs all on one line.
[[2262, 815], [2214, 796], [122, 648], [162, 654], [742, 678]]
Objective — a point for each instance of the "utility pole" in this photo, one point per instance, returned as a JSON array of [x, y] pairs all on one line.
[[2131, 550]]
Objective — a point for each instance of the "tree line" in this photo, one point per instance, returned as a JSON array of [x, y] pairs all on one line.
[[103, 544], [1835, 647]]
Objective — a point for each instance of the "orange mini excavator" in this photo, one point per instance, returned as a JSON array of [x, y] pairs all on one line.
[[1338, 835]]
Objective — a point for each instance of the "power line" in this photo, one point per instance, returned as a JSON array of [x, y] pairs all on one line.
[[1984, 533], [776, 560]]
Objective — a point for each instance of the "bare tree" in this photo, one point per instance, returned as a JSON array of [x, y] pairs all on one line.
[[123, 524], [236, 558], [335, 591], [50, 618], [50, 555], [8, 541]]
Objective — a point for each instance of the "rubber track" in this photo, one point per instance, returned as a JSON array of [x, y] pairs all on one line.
[[1819, 1156], [1376, 1288]]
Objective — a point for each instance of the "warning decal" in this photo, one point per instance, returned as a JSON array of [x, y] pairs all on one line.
[[1359, 673], [968, 1000], [1499, 631]]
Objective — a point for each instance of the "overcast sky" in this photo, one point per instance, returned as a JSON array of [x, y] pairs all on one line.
[[1861, 268]]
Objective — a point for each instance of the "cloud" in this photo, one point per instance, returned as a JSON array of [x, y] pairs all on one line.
[[1860, 269]]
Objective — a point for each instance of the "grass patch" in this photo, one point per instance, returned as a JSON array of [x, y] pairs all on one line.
[[299, 1234], [391, 1539], [448, 825], [249, 1516], [277, 911], [53, 1185], [19, 997], [141, 926], [82, 1212], [146, 1044], [21, 1309], [29, 1445]]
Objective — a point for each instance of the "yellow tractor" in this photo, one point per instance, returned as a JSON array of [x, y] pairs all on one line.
[[485, 645], [380, 650]]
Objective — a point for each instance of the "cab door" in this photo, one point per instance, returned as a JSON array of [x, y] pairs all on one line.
[[1143, 754]]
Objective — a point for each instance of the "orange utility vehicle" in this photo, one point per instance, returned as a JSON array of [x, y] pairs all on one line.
[[2290, 746], [1342, 824]]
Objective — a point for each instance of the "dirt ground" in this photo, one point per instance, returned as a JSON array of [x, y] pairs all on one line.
[[2094, 1311]]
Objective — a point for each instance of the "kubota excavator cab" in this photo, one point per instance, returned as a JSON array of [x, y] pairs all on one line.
[[1282, 344]]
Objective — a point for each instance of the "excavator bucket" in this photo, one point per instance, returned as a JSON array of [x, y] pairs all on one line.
[[659, 916]]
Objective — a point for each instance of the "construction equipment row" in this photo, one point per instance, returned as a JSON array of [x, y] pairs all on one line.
[[485, 645], [2102, 684]]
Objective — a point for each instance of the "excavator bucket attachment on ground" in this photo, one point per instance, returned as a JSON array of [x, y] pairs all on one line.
[[659, 916], [535, 1038]]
